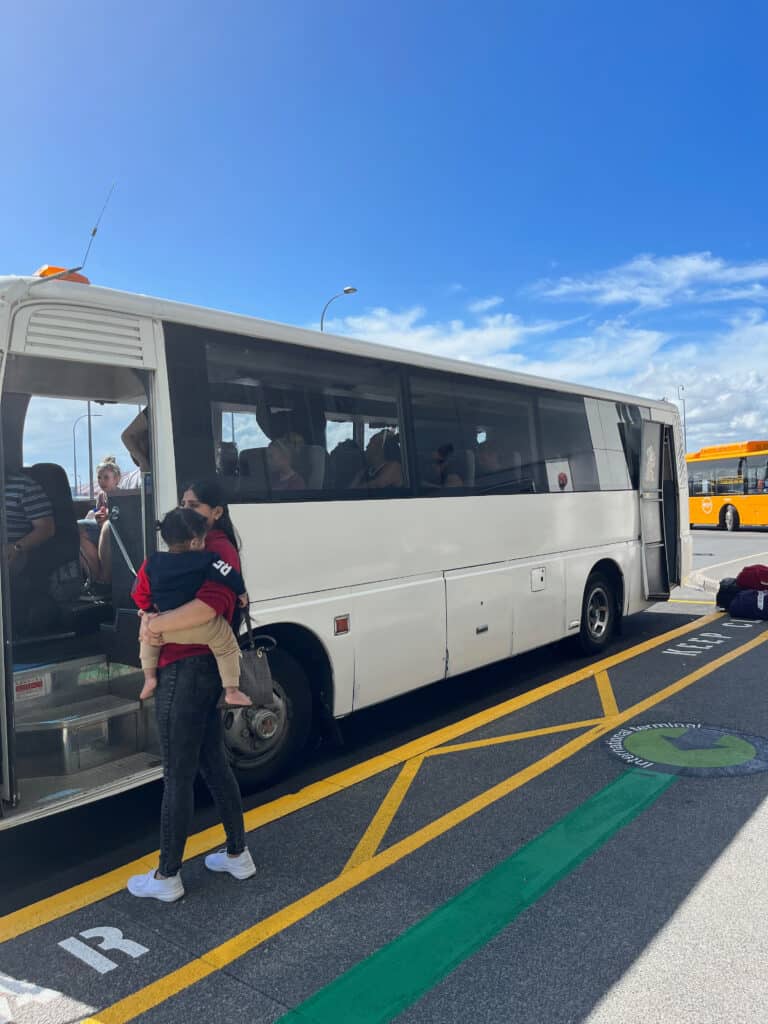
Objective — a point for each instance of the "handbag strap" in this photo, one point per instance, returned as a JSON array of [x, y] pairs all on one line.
[[253, 645]]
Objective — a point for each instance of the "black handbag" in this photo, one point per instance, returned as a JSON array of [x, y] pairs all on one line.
[[255, 672]]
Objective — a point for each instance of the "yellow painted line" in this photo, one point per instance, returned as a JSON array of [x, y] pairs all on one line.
[[382, 819], [682, 600], [220, 956], [513, 737], [607, 696], [69, 900]]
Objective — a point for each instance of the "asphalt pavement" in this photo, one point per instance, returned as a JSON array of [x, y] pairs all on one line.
[[552, 839]]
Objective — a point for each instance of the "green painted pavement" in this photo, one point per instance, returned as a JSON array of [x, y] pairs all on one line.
[[382, 986], [654, 745]]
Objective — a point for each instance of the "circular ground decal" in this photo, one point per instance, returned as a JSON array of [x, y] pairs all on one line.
[[690, 748]]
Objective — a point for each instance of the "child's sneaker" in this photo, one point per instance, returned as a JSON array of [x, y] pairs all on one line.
[[240, 867], [168, 890]]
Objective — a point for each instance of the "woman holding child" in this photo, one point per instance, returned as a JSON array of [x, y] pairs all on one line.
[[189, 687]]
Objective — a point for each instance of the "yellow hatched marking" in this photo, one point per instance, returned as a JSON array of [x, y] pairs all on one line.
[[607, 696], [455, 748], [390, 805], [382, 819], [220, 956], [75, 898]]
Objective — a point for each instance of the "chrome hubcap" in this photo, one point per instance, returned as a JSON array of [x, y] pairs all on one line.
[[729, 518], [598, 613], [252, 733]]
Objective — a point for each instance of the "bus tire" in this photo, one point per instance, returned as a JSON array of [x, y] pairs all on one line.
[[599, 614], [730, 518], [258, 762]]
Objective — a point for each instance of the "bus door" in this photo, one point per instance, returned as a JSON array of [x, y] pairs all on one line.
[[78, 382], [659, 510]]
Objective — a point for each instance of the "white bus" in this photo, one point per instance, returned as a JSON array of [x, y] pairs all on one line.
[[428, 517]]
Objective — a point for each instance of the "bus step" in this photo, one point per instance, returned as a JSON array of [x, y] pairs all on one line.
[[74, 737], [46, 683]]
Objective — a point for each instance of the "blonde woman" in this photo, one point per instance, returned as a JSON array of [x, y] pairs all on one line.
[[94, 552]]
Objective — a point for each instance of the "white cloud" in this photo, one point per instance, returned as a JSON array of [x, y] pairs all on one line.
[[483, 305], [491, 335], [726, 397], [653, 282]]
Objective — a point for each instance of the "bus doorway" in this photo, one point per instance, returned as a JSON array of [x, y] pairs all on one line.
[[72, 543], [659, 510]]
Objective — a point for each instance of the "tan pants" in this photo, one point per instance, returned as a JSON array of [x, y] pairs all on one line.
[[217, 635]]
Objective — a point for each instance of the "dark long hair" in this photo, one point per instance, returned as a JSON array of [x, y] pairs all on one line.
[[210, 492]]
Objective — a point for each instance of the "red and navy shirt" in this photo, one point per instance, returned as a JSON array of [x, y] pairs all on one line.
[[218, 596], [166, 581]]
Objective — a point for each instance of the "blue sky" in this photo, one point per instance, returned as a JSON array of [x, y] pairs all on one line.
[[571, 188]]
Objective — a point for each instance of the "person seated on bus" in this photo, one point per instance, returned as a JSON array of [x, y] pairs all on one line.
[[383, 465], [282, 475], [29, 524], [444, 467], [135, 437], [488, 458], [28, 518], [109, 477]]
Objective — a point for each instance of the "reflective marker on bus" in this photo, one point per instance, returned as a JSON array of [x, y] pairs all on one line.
[[404, 519], [727, 485]]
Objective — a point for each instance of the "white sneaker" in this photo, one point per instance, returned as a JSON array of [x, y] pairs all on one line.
[[166, 889], [240, 867]]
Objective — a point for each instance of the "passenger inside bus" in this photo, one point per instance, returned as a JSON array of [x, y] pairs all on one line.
[[135, 437], [445, 469], [94, 534], [383, 462], [30, 526], [282, 475]]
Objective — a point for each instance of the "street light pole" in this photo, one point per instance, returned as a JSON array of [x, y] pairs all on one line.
[[86, 416], [74, 448], [681, 399], [90, 453], [348, 290]]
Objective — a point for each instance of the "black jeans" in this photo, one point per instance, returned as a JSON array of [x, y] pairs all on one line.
[[191, 737]]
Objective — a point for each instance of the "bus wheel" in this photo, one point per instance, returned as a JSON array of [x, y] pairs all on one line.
[[730, 518], [598, 614], [262, 742]]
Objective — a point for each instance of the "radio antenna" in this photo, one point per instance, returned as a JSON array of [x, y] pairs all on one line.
[[96, 226], [94, 229]]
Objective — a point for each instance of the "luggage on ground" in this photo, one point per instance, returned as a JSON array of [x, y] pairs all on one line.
[[753, 577], [728, 589], [749, 604]]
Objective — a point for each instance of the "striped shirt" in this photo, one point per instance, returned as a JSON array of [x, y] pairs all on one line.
[[25, 502]]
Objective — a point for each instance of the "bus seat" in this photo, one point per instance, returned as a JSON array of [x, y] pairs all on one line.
[[62, 551], [313, 458], [468, 465], [226, 458], [345, 464], [253, 464]]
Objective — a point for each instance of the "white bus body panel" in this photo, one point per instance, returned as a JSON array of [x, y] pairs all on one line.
[[395, 568]]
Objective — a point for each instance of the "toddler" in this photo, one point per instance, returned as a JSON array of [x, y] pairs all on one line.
[[169, 579]]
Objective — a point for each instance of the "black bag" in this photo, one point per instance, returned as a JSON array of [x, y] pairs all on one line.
[[727, 591], [750, 604], [255, 673]]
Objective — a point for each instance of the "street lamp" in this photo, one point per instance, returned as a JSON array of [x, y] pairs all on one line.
[[681, 399], [86, 416], [349, 290]]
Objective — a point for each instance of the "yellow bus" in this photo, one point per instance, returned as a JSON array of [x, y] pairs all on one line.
[[727, 485]]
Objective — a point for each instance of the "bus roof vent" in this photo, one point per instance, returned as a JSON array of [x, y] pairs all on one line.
[[85, 335]]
